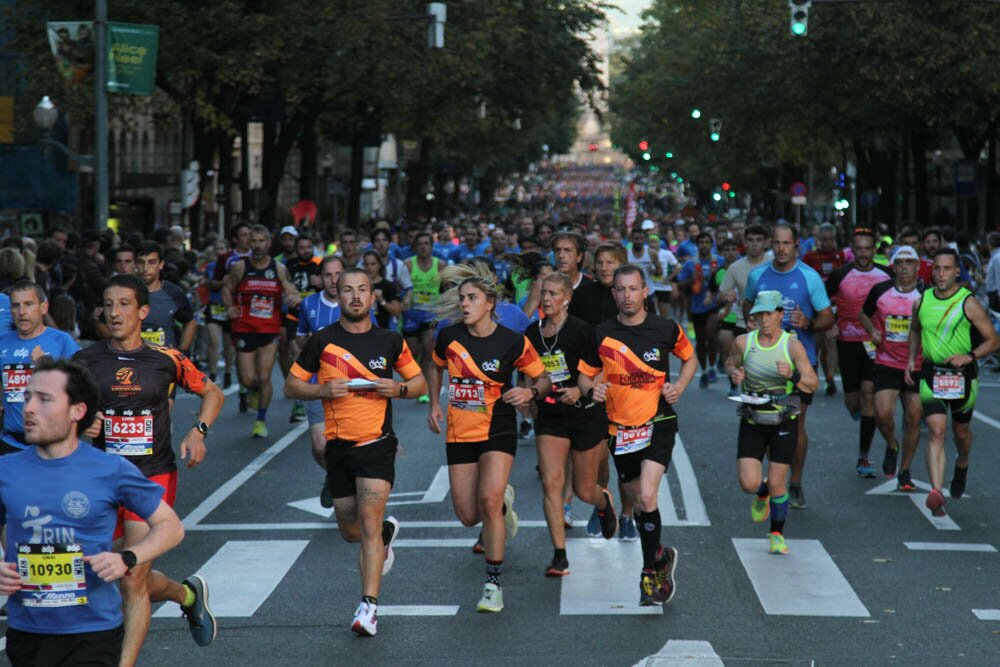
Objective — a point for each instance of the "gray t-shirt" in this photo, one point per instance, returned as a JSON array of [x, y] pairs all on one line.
[[736, 279], [168, 306]]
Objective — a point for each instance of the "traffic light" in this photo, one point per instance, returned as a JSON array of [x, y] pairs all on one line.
[[800, 16], [717, 196], [592, 147], [668, 155], [696, 113], [646, 155], [644, 146], [715, 125], [726, 187]]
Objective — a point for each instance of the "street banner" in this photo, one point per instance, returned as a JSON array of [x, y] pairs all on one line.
[[72, 45], [132, 58]]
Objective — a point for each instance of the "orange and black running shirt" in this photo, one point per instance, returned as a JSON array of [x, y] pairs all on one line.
[[135, 390], [636, 363], [334, 353], [479, 372]]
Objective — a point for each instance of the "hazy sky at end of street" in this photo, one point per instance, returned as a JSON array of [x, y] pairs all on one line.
[[628, 19]]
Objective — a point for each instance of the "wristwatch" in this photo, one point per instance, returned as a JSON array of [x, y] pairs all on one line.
[[402, 390], [202, 427], [129, 559], [534, 392]]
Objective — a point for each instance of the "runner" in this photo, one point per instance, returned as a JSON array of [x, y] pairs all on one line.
[[886, 316], [641, 254], [303, 271], [824, 259], [388, 302], [217, 323], [769, 363], [124, 259], [168, 304], [418, 319], [353, 362], [481, 357], [734, 283], [945, 322], [848, 287], [806, 310], [75, 492], [239, 237], [20, 350], [567, 422], [728, 314], [135, 381], [251, 293], [695, 277], [633, 353]]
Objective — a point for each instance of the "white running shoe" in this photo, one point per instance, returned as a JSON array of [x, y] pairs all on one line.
[[365, 621], [390, 555], [510, 518], [492, 599]]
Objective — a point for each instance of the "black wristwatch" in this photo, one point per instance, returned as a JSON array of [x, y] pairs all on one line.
[[202, 427], [403, 389], [129, 559], [534, 392]]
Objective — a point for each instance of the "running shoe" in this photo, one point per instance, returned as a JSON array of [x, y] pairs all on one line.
[[666, 565], [608, 518], [492, 599], [559, 567], [594, 524], [298, 413], [365, 621], [478, 547], [831, 388], [253, 399], [778, 545], [760, 509], [259, 430], [734, 392], [243, 401], [227, 380], [648, 590], [200, 620], [510, 518], [568, 516], [904, 482], [865, 469], [325, 495], [627, 532], [703, 382], [390, 526], [796, 497], [958, 482], [713, 377], [525, 431], [935, 503], [425, 398], [889, 461]]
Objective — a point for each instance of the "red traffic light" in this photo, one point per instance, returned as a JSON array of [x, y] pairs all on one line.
[[726, 186], [644, 145], [592, 148]]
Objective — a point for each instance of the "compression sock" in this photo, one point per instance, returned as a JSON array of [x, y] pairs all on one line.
[[779, 510], [867, 435], [762, 491], [386, 532], [493, 568], [189, 596], [261, 414], [649, 535], [369, 599], [560, 553]]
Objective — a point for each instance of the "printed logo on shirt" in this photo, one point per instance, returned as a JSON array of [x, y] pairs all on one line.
[[269, 274], [125, 375], [492, 366], [378, 364], [36, 523], [652, 355], [18, 354], [76, 504]]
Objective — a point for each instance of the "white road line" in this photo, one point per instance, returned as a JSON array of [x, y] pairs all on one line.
[[683, 653], [241, 575], [986, 420], [694, 506], [987, 614], [434, 544], [803, 582], [940, 522], [220, 495], [435, 493], [332, 525], [417, 610], [604, 579], [949, 546]]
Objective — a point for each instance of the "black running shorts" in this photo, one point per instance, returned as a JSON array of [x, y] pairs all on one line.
[[855, 365], [584, 429], [777, 442], [660, 449], [102, 648], [469, 452], [345, 463], [887, 377]]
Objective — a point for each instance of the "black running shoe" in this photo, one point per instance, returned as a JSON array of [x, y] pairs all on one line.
[[796, 497], [958, 482], [609, 520], [325, 495], [227, 380], [831, 388], [243, 401], [904, 482], [889, 461], [558, 568]]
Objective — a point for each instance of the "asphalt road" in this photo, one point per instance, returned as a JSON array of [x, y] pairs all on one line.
[[866, 582]]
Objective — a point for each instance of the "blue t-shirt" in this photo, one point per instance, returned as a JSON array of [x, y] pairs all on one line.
[[317, 312], [462, 253], [799, 286], [686, 248], [73, 500], [6, 318], [15, 361], [708, 268], [442, 250], [508, 315]]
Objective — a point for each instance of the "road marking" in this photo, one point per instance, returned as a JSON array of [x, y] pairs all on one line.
[[803, 582], [417, 610], [940, 522], [694, 506], [986, 420], [434, 544], [219, 496], [332, 525], [604, 579], [987, 614], [683, 653], [888, 488], [435, 493], [949, 546], [241, 575]]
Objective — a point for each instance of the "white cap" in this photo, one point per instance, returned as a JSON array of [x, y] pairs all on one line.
[[289, 229], [904, 252], [648, 225]]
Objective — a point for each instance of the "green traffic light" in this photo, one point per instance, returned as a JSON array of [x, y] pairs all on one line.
[[714, 136], [680, 180], [646, 155], [696, 113], [668, 155], [799, 28], [732, 194]]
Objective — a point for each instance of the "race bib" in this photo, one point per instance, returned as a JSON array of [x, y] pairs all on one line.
[[897, 329], [128, 435], [948, 385], [424, 298], [869, 348], [217, 311], [15, 381], [52, 575], [556, 366], [154, 336], [262, 307], [630, 440], [467, 394]]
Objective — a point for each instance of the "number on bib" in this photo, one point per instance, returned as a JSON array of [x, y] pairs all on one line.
[[556, 366], [629, 440], [128, 435], [15, 381], [948, 386], [52, 575], [467, 394]]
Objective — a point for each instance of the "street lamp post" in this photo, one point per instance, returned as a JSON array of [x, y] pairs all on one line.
[[45, 115], [101, 117]]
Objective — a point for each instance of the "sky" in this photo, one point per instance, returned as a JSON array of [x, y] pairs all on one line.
[[629, 20]]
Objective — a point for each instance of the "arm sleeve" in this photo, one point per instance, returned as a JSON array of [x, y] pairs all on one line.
[[188, 375], [529, 362], [183, 314], [871, 302], [69, 346], [406, 365], [136, 493], [817, 291], [307, 365], [304, 325], [682, 346], [751, 290]]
